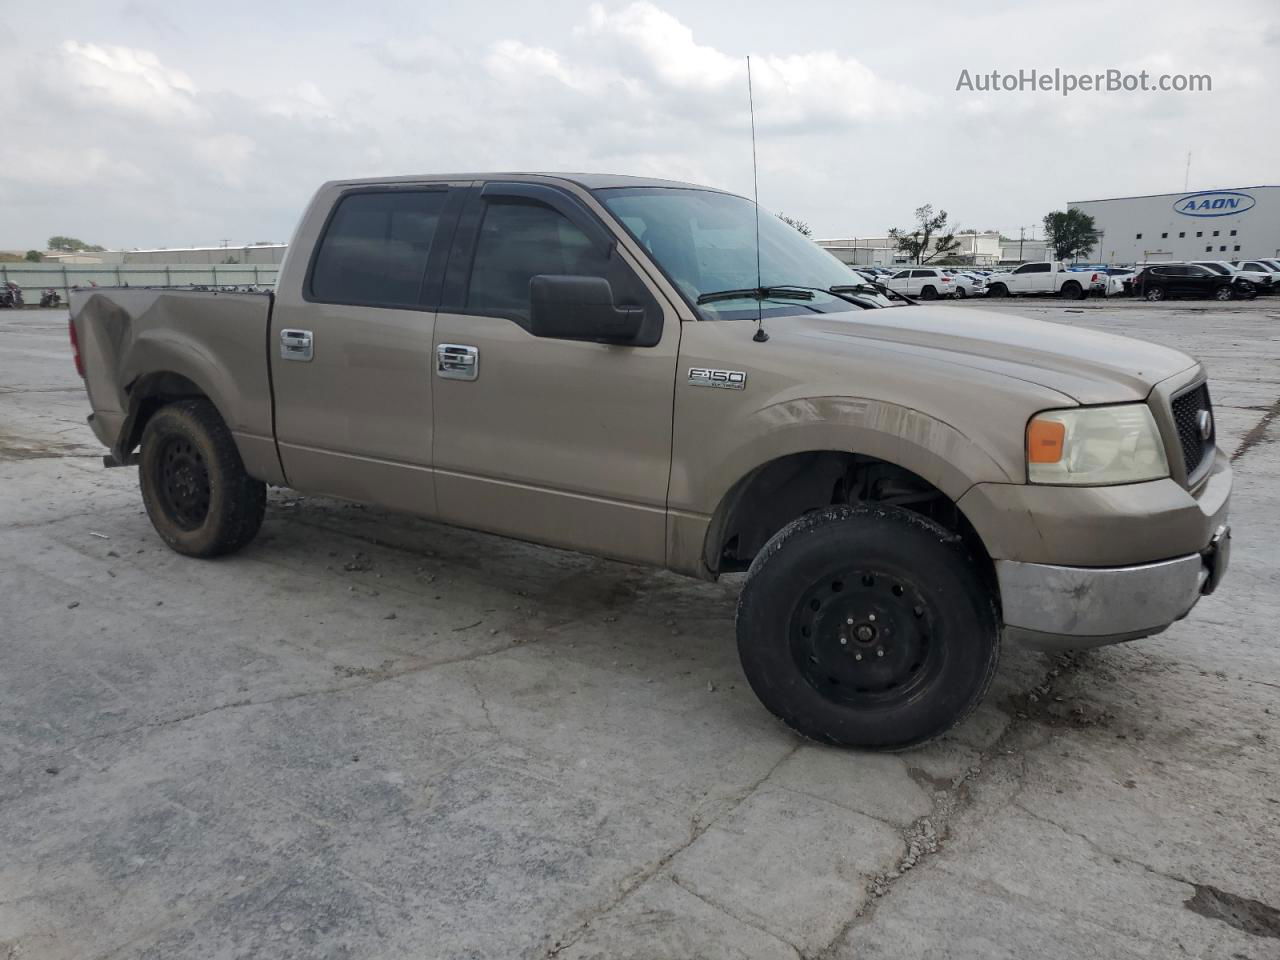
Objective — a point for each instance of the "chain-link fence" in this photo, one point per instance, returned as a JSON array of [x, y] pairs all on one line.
[[34, 278]]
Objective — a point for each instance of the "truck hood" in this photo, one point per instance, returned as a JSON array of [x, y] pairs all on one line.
[[1088, 366]]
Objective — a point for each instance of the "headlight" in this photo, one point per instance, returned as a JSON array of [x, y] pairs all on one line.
[[1095, 445]]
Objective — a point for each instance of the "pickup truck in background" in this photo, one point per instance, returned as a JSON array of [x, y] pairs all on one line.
[[626, 367], [1048, 277]]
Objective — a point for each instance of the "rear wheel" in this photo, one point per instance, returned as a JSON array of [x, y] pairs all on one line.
[[867, 626], [194, 485], [1072, 290], [929, 293]]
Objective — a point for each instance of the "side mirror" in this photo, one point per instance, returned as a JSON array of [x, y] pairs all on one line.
[[580, 308]]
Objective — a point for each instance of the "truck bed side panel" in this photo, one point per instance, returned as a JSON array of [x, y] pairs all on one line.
[[218, 341]]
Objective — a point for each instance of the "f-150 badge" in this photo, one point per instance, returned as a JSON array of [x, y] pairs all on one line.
[[723, 379]]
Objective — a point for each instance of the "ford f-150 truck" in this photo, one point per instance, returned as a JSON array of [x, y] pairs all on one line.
[[1051, 276], [625, 367]]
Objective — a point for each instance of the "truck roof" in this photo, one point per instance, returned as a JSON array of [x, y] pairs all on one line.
[[591, 181]]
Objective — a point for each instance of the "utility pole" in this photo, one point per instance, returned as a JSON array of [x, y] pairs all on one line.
[[1021, 234]]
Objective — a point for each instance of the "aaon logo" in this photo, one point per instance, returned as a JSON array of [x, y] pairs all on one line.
[[1214, 203]]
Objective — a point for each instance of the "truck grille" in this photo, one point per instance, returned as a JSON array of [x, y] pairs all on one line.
[[1187, 407]]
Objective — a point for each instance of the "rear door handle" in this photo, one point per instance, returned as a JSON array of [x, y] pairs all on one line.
[[296, 345], [457, 361]]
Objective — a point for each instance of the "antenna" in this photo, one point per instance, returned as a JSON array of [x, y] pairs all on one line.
[[760, 336], [1187, 177]]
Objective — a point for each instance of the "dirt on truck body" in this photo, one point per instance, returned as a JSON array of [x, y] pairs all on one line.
[[613, 365]]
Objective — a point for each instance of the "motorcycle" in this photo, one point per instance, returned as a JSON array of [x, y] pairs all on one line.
[[50, 298], [11, 295]]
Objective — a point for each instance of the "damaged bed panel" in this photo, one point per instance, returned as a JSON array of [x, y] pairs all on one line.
[[140, 345]]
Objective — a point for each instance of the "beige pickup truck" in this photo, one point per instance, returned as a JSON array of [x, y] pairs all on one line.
[[633, 368]]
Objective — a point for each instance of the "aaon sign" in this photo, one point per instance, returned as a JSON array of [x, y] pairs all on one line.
[[1213, 203]]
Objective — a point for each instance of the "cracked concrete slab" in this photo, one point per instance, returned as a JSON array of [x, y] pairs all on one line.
[[368, 735]]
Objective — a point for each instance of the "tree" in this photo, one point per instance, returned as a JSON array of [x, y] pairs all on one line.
[[797, 223], [34, 256], [1071, 234], [928, 231], [61, 244]]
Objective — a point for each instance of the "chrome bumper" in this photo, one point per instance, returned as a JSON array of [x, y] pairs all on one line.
[[1072, 607]]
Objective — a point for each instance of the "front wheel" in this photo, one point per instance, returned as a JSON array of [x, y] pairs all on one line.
[[194, 485], [961, 293], [998, 290], [867, 626], [1154, 294], [1224, 293]]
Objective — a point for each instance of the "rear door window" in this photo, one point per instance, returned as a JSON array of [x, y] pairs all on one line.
[[375, 248]]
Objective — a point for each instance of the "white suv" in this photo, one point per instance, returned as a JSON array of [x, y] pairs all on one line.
[[927, 283], [1262, 280]]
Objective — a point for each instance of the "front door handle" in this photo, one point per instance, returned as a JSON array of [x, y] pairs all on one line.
[[456, 361], [296, 345]]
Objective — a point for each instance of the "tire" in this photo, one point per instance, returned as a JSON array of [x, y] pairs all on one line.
[[998, 290], [1154, 294], [1224, 292], [1072, 290], [922, 648], [960, 293], [194, 485], [929, 293]]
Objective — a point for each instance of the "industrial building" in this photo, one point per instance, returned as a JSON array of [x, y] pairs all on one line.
[[1235, 223], [250, 253], [979, 249]]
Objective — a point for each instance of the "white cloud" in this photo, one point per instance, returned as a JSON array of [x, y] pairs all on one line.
[[304, 102], [133, 81]]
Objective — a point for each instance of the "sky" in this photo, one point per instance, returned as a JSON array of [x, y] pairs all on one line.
[[137, 124]]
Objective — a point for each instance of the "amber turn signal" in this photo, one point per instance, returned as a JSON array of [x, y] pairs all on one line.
[[1045, 440]]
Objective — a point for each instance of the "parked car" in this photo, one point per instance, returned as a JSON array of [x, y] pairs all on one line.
[[1045, 278], [927, 283], [1262, 267], [1119, 280], [1189, 280], [577, 361], [1262, 281], [968, 284]]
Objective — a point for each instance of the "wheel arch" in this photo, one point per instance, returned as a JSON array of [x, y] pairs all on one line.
[[786, 487]]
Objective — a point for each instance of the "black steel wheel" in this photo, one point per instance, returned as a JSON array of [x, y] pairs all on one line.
[[184, 483], [868, 626], [864, 638]]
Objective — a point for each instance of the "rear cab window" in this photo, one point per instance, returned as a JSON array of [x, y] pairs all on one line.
[[375, 248]]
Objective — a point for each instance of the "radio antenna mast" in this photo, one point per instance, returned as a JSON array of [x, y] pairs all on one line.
[[760, 336]]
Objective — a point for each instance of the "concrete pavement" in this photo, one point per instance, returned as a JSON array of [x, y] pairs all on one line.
[[372, 736]]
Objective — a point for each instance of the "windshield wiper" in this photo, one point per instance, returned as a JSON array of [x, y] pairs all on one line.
[[879, 288], [756, 293]]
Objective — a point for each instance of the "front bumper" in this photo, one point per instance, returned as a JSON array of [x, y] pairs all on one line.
[[1057, 607]]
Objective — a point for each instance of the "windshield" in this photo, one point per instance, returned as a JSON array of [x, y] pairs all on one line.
[[705, 242]]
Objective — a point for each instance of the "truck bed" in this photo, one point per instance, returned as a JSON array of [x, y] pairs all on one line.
[[181, 341]]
